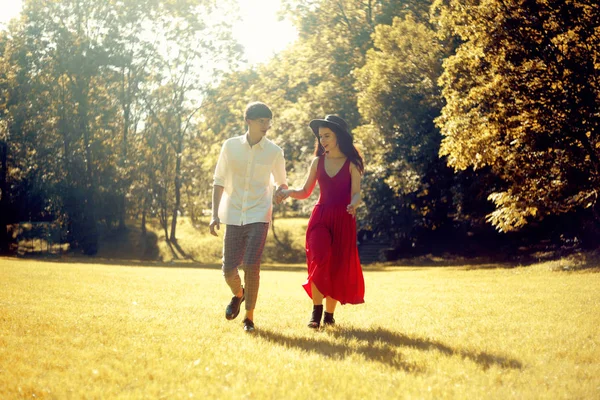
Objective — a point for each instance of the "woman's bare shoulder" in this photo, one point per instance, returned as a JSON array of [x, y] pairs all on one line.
[[354, 169]]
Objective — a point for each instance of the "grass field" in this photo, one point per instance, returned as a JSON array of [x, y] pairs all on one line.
[[147, 330], [196, 244]]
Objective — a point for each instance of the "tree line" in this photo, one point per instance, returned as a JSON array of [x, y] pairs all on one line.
[[478, 120], [99, 103]]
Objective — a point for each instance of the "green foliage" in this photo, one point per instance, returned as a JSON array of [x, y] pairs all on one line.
[[522, 95], [407, 185], [313, 77], [110, 110], [83, 83]]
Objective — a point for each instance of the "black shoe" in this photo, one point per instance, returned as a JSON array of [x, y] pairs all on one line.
[[315, 319], [248, 325], [328, 319], [233, 308]]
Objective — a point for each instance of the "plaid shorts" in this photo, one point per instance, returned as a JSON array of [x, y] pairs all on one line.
[[242, 248]]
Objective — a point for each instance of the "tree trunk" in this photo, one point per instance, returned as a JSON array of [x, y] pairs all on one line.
[[90, 234], [126, 121], [177, 185], [144, 208], [4, 239], [164, 219]]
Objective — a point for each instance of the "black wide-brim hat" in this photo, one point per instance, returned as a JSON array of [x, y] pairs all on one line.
[[335, 123]]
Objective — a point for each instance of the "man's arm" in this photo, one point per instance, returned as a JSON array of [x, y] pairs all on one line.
[[216, 200], [218, 187]]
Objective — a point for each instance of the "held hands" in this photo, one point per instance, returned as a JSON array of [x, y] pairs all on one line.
[[281, 194], [215, 222]]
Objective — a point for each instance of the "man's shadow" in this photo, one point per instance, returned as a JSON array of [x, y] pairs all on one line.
[[382, 345]]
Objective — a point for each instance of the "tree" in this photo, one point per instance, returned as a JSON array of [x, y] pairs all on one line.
[[522, 95], [77, 78], [195, 45], [72, 60], [132, 55], [408, 186], [27, 163]]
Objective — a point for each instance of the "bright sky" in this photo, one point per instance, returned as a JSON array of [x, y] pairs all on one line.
[[259, 31], [260, 25], [8, 10]]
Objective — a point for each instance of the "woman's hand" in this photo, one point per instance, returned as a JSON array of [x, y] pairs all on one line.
[[281, 195], [351, 209]]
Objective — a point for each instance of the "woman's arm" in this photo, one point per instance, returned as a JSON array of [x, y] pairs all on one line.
[[309, 184], [355, 190]]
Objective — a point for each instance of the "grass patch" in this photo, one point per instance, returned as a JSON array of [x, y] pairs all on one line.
[[70, 330], [194, 242]]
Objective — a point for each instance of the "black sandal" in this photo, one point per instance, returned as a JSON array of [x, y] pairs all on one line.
[[315, 320], [328, 319]]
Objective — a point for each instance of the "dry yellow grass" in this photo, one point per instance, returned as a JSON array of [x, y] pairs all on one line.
[[72, 330]]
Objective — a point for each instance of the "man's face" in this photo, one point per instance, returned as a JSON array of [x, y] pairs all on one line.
[[261, 125]]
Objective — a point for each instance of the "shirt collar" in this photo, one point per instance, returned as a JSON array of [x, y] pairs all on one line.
[[261, 142]]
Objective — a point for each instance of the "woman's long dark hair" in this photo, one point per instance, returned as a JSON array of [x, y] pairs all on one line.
[[346, 146]]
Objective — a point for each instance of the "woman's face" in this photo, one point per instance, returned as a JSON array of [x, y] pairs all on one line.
[[327, 138]]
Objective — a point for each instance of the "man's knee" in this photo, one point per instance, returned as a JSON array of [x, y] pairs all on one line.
[[230, 271]]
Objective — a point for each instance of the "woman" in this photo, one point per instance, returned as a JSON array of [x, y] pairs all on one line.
[[334, 270]]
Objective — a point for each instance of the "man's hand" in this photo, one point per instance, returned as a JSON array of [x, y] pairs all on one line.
[[281, 194], [215, 222]]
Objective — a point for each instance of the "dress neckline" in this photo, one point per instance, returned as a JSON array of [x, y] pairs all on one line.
[[338, 171]]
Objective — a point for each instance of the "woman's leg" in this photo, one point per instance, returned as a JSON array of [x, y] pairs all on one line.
[[317, 297], [330, 304], [318, 256]]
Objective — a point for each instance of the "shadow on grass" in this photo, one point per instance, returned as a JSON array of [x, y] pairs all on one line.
[[180, 254], [395, 339], [384, 346], [335, 351]]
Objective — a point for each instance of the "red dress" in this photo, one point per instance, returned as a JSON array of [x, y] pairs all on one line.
[[331, 252]]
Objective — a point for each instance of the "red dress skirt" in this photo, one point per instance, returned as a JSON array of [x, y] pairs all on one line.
[[331, 252]]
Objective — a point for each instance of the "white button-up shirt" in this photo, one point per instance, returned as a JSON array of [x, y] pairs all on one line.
[[248, 175]]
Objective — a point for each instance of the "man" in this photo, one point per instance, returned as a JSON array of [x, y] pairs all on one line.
[[242, 200]]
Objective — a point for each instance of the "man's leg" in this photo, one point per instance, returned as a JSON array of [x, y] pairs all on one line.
[[234, 243], [257, 235]]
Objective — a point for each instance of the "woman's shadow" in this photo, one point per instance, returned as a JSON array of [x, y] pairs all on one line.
[[382, 345]]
